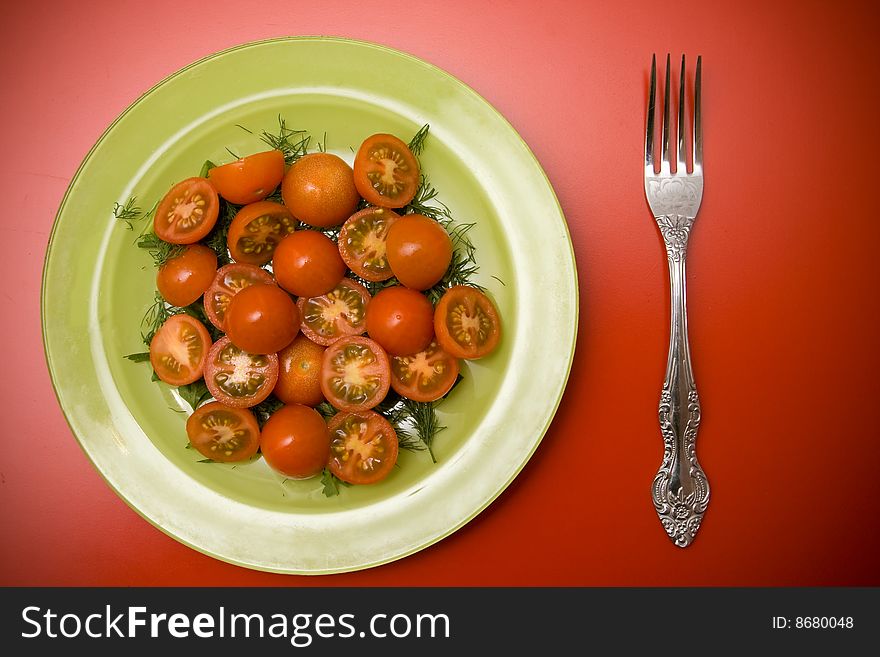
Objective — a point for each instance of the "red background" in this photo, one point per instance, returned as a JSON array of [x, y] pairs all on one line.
[[783, 274]]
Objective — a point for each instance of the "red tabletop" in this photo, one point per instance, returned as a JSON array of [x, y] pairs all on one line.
[[782, 282]]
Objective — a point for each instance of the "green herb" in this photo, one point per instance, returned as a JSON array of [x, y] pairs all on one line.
[[326, 410], [293, 143], [207, 166], [142, 357], [423, 416], [264, 410], [206, 461], [160, 250], [232, 153], [322, 145], [463, 266], [153, 319], [417, 143], [128, 212], [216, 239], [331, 483], [195, 393]]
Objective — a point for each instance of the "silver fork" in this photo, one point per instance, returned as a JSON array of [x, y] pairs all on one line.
[[680, 489]]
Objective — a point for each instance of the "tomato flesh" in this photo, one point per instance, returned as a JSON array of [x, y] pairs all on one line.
[[362, 243], [355, 374], [340, 312], [179, 349], [188, 212], [237, 378], [250, 178], [256, 231], [222, 433], [229, 281], [363, 447], [386, 173], [466, 323], [425, 376]]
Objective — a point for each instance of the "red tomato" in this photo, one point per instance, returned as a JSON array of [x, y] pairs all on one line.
[[296, 442], [340, 312], [466, 323], [401, 320], [262, 319], [299, 373], [419, 251], [355, 374], [229, 281], [187, 212], [307, 264], [363, 447], [386, 172], [319, 190], [178, 350], [237, 378], [256, 231], [223, 433], [182, 280], [425, 376], [249, 179], [362, 242]]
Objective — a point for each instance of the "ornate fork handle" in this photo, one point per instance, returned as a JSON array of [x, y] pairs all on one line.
[[680, 490]]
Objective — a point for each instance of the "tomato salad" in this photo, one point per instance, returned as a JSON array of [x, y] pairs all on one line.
[[312, 312]]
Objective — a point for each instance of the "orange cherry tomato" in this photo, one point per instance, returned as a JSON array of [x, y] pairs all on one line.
[[256, 231], [183, 279], [319, 190], [262, 319], [187, 212], [237, 378], [179, 349], [386, 172], [419, 251], [466, 323], [229, 281], [299, 373], [296, 442], [307, 264], [223, 433], [362, 242], [340, 312], [355, 374], [425, 376], [363, 447], [401, 320], [249, 179]]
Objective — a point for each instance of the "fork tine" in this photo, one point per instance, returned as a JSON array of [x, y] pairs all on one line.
[[652, 110], [681, 152], [698, 124], [664, 163]]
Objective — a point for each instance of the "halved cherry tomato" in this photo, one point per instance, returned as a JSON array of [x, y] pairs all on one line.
[[363, 447], [319, 190], [299, 373], [229, 281], [256, 231], [362, 242], [386, 172], [295, 441], [249, 179], [223, 433], [425, 376], [466, 323], [401, 320], [187, 212], [183, 279], [355, 374], [262, 319], [307, 264], [237, 378], [179, 349], [340, 312], [419, 251]]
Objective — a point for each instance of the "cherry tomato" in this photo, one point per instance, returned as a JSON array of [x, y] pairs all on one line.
[[295, 441], [183, 279], [362, 242], [355, 374], [401, 320], [466, 323], [249, 179], [256, 231], [229, 281], [386, 172], [425, 376], [340, 312], [319, 190], [237, 378], [262, 319], [187, 212], [419, 251], [223, 433], [299, 373], [307, 264], [363, 447], [178, 350]]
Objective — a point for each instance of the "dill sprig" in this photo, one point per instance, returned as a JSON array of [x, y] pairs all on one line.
[[293, 143], [216, 239], [264, 410], [156, 315], [417, 143], [160, 250], [128, 212]]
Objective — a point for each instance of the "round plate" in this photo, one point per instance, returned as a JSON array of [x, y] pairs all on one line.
[[97, 285]]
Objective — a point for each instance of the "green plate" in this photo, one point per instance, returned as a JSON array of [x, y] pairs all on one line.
[[96, 286]]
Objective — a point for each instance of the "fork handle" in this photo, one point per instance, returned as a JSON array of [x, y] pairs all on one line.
[[680, 489]]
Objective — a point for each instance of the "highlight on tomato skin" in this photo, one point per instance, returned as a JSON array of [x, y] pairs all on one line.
[[249, 179], [222, 433]]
